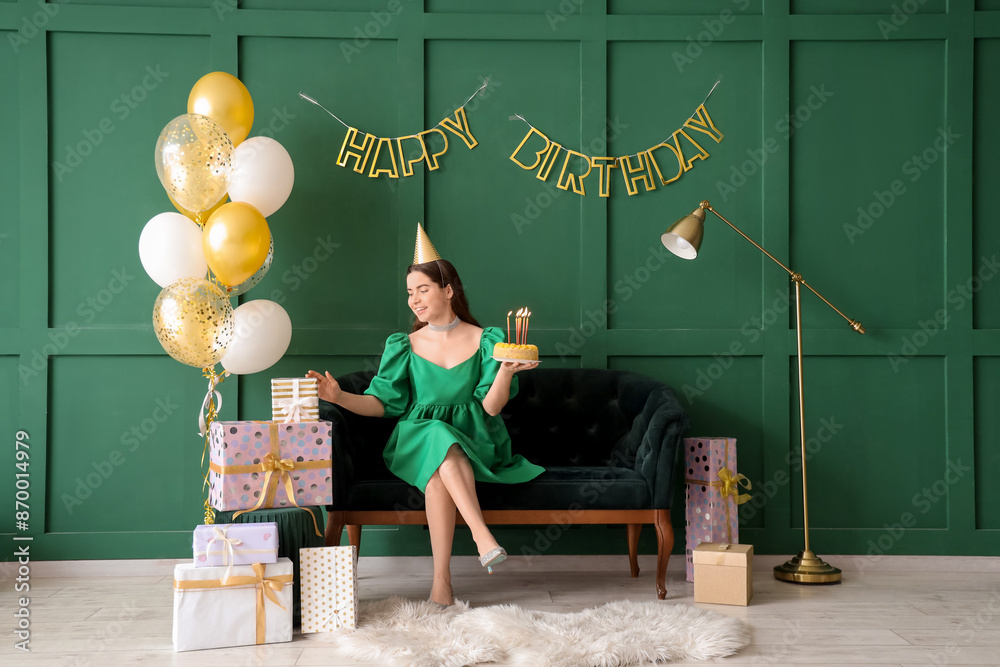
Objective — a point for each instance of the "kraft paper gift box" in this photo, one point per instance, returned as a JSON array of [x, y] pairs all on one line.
[[711, 494], [235, 544], [294, 400], [267, 464], [329, 588], [253, 607], [723, 573]]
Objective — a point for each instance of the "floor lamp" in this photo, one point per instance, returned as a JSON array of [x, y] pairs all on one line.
[[684, 240]]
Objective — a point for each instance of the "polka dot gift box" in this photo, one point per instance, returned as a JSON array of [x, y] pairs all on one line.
[[711, 494], [267, 464], [329, 588]]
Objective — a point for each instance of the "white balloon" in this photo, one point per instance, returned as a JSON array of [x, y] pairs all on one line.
[[262, 174], [262, 333], [170, 249]]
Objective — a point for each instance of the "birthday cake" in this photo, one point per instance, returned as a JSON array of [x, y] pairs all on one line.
[[519, 350]]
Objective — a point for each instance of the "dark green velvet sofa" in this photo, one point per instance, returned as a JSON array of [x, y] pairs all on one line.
[[610, 442]]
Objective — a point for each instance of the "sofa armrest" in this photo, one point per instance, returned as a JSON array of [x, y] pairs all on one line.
[[664, 423], [341, 447]]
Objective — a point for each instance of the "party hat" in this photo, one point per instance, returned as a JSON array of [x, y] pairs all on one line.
[[424, 251]]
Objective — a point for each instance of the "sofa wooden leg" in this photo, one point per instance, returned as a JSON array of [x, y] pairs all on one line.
[[354, 537], [334, 528], [633, 547], [664, 545]]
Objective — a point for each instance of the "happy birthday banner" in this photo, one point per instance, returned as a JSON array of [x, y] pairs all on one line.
[[382, 155], [646, 169]]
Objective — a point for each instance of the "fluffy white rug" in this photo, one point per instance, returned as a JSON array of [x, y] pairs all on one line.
[[401, 632]]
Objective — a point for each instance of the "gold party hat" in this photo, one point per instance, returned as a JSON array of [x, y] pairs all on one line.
[[424, 251]]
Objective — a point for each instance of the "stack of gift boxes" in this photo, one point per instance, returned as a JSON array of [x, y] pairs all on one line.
[[237, 591], [719, 566]]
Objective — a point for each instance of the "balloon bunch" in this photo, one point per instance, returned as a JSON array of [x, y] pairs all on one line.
[[213, 249]]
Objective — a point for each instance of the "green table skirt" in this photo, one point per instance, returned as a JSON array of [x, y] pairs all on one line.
[[295, 531]]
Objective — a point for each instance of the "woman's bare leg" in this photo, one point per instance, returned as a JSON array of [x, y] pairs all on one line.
[[441, 524], [456, 474]]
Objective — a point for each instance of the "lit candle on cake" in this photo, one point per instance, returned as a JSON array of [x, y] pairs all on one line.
[[527, 315], [519, 351], [508, 324]]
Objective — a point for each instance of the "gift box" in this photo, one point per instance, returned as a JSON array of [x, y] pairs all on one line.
[[294, 400], [723, 573], [711, 494], [329, 590], [253, 607], [258, 465], [235, 544]]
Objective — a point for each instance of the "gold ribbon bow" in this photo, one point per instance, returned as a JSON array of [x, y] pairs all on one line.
[[266, 587], [731, 485], [270, 465]]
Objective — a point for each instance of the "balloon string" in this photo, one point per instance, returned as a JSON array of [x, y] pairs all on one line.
[[486, 82], [214, 380]]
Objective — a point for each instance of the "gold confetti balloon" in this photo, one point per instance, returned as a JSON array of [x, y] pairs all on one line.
[[193, 320], [194, 158]]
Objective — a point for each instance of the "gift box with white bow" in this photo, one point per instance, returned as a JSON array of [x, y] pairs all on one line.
[[294, 399], [254, 606], [329, 588], [235, 544], [258, 465]]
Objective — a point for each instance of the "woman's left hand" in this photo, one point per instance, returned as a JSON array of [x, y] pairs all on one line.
[[515, 366]]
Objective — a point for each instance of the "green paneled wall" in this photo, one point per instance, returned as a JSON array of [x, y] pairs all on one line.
[[827, 106]]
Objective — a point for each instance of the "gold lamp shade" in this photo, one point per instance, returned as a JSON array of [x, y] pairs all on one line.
[[683, 238]]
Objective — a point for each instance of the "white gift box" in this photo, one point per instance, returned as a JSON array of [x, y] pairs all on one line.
[[294, 400], [329, 588], [253, 607]]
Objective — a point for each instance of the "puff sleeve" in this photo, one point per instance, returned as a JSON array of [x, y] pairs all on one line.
[[488, 366], [392, 383]]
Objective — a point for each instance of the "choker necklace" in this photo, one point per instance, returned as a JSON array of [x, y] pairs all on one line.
[[444, 327]]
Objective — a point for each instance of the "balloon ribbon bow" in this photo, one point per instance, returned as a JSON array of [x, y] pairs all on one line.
[[294, 407], [212, 403], [731, 485], [227, 549]]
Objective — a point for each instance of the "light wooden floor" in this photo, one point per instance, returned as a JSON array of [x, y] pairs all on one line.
[[901, 611]]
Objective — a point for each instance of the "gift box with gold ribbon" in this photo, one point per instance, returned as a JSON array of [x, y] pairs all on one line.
[[252, 606], [329, 588], [235, 544], [258, 465], [712, 492], [294, 400]]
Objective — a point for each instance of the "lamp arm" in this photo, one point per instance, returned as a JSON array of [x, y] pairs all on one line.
[[797, 277]]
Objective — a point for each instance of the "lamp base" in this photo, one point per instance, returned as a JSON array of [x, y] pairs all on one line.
[[807, 568]]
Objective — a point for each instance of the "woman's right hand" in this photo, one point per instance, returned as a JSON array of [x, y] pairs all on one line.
[[329, 388]]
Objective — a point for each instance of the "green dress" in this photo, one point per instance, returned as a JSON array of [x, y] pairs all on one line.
[[439, 407]]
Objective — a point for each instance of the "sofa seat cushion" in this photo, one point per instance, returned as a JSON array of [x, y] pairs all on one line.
[[558, 488]]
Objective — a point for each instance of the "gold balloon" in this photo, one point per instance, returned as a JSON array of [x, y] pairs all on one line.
[[236, 240], [193, 160], [205, 215], [193, 320], [250, 282], [223, 98]]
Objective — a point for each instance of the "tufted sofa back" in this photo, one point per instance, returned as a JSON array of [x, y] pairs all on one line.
[[560, 417]]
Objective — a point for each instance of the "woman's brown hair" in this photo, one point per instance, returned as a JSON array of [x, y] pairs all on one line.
[[443, 273]]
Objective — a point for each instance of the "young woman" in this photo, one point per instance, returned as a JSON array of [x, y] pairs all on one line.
[[443, 383]]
